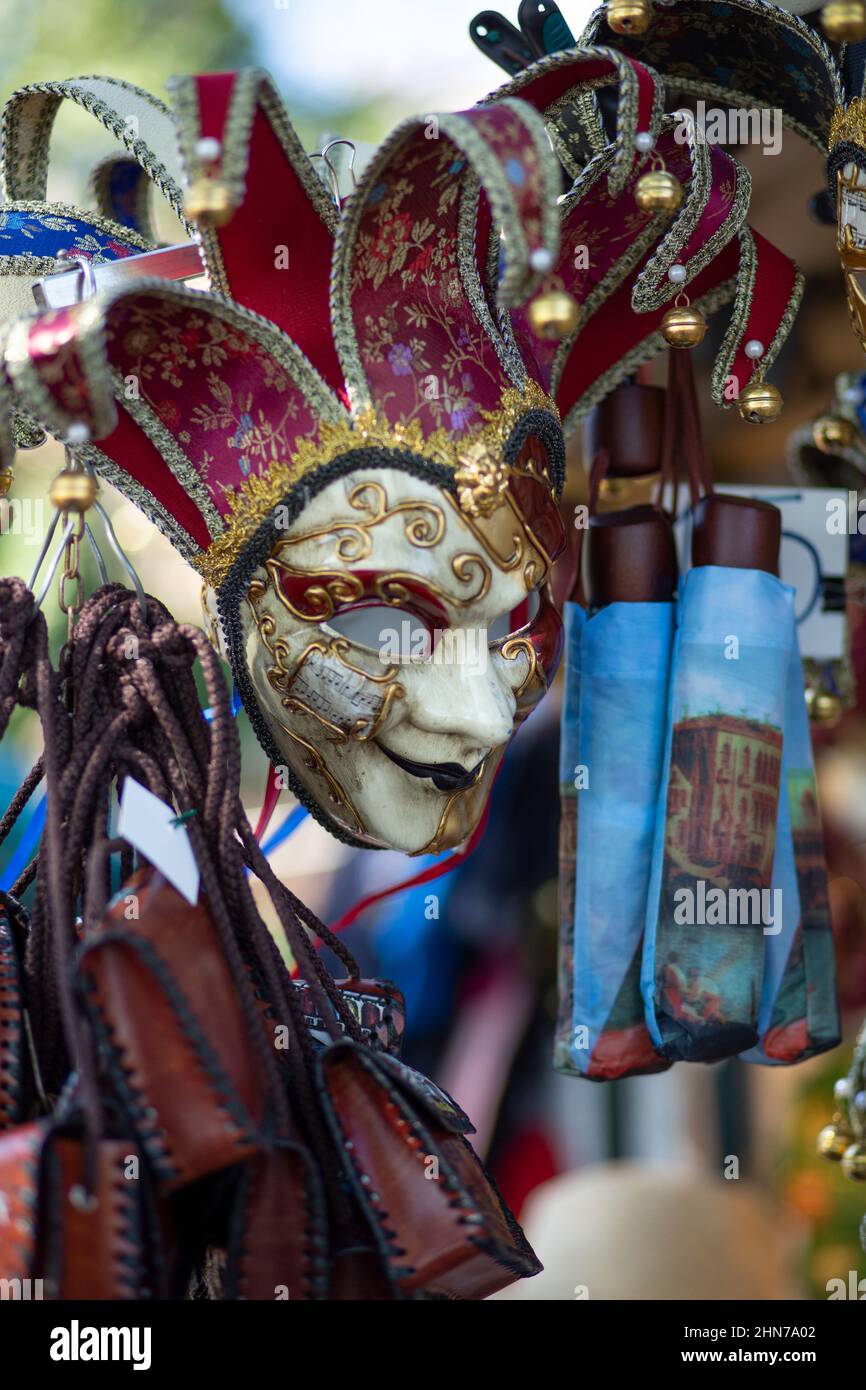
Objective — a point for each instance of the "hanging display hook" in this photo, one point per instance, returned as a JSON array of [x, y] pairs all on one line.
[[350, 167], [86, 287], [332, 175], [333, 172], [122, 556]]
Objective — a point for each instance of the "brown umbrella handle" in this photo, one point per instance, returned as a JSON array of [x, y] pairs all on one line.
[[629, 426], [629, 557], [738, 532]]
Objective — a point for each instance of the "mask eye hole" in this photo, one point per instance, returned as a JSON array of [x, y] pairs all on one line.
[[518, 617], [392, 633]]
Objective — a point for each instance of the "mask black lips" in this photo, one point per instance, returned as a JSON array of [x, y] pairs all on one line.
[[446, 777]]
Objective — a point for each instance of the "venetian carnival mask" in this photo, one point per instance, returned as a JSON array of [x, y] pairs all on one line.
[[754, 56], [397, 636], [357, 440]]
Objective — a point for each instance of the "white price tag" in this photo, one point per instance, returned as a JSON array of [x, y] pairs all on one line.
[[151, 827]]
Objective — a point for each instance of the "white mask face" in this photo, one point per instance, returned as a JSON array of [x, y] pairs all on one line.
[[394, 641]]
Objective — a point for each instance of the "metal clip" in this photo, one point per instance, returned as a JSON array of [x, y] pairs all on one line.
[[64, 288], [333, 174], [85, 288]]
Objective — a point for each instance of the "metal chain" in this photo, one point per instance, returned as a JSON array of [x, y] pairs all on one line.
[[70, 604], [72, 575]]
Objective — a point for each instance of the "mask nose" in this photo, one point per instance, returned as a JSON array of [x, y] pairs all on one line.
[[463, 701]]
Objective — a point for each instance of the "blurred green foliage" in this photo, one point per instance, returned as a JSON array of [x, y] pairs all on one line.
[[46, 39], [144, 43]]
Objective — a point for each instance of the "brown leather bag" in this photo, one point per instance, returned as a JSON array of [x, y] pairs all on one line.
[[278, 1241], [14, 1069], [98, 1245], [59, 1241], [378, 1007], [162, 1001], [20, 1156], [437, 1216]]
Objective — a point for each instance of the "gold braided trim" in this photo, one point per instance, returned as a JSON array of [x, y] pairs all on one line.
[[258, 495], [849, 124]]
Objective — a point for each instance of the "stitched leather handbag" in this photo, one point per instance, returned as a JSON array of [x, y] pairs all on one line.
[[195, 1097], [437, 1216]]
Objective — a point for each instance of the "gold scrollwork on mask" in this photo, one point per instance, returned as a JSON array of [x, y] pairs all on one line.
[[284, 671], [395, 588], [425, 523], [321, 599], [460, 813], [280, 676], [313, 760], [366, 726], [534, 575], [444, 832], [487, 534], [523, 540], [534, 683], [339, 646], [855, 294], [337, 794]]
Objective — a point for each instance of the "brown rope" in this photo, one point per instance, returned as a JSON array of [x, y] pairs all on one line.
[[136, 712]]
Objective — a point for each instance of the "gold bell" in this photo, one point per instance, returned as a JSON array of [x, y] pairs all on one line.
[[854, 1162], [629, 16], [823, 706], [209, 202], [658, 191], [833, 1142], [844, 21], [73, 490], [760, 402], [832, 432], [683, 326], [553, 314], [6, 477]]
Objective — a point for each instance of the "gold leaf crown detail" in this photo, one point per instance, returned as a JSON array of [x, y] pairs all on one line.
[[849, 123], [475, 459]]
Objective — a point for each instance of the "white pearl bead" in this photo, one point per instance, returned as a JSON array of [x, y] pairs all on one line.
[[842, 1088], [754, 348], [677, 274], [78, 433], [208, 148], [643, 141], [541, 259], [852, 395]]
